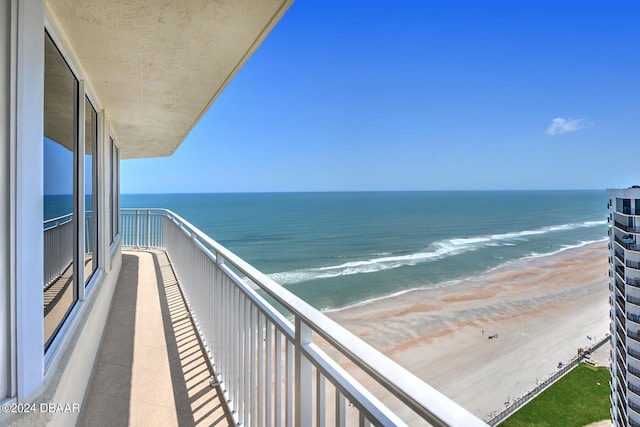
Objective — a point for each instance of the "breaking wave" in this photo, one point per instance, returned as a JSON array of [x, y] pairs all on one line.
[[436, 251]]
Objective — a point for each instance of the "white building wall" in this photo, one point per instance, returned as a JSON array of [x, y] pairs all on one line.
[[23, 374], [27, 189], [5, 348]]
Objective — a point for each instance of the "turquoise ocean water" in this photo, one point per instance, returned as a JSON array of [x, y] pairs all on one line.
[[340, 249]]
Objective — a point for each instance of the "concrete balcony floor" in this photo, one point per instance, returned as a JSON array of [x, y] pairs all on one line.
[[151, 369]]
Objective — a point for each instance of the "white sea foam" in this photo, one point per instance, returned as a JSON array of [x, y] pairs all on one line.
[[564, 248], [435, 251], [395, 294], [460, 280]]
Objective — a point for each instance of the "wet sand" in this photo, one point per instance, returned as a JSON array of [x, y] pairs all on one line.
[[543, 309]]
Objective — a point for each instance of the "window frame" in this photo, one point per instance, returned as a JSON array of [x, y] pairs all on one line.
[[84, 92], [76, 205], [95, 192]]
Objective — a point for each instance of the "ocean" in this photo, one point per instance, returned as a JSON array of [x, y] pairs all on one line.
[[336, 250]]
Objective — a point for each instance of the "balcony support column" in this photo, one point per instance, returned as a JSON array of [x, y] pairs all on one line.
[[303, 376]]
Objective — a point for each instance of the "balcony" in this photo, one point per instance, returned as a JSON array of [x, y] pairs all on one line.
[[633, 264], [620, 287], [633, 300], [631, 281], [220, 353], [634, 318], [622, 394], [634, 336], [633, 388], [634, 413], [621, 371], [635, 354], [620, 271], [620, 256], [627, 243], [627, 228], [620, 302], [151, 369], [621, 324]]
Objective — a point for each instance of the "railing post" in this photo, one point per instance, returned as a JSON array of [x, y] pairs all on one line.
[[216, 305], [148, 228], [137, 241], [304, 377], [59, 263]]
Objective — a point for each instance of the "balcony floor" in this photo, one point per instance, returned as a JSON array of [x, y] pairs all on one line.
[[151, 369]]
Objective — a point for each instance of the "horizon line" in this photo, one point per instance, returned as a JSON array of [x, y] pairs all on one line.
[[361, 191]]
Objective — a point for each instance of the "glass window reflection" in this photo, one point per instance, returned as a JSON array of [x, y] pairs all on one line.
[[59, 145], [90, 181]]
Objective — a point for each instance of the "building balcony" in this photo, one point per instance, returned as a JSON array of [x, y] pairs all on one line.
[[626, 228], [191, 338], [621, 326], [620, 271], [635, 372], [151, 368], [634, 353], [633, 300], [621, 370], [633, 264], [619, 256], [620, 303], [620, 287], [633, 318], [634, 406], [634, 336], [634, 416], [628, 243], [621, 341], [633, 388], [621, 358], [621, 399]]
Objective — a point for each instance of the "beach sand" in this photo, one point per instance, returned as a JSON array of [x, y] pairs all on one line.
[[543, 309]]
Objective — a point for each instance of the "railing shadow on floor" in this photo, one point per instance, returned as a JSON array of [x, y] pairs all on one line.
[[190, 371]]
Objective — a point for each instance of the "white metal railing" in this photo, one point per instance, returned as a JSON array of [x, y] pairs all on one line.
[[58, 247], [58, 244], [270, 369]]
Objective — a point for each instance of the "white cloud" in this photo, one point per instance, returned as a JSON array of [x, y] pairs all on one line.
[[560, 125]]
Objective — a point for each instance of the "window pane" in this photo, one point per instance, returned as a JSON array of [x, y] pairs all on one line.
[[115, 185], [90, 181], [60, 112], [112, 227]]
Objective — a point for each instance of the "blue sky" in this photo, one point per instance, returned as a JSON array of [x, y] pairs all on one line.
[[422, 95]]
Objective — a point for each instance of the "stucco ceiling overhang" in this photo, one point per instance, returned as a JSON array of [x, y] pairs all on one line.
[[157, 65]]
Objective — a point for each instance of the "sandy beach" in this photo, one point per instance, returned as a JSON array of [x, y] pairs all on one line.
[[543, 309]]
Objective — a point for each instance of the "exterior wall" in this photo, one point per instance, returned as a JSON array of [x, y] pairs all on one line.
[[27, 374], [5, 348], [625, 296], [27, 201]]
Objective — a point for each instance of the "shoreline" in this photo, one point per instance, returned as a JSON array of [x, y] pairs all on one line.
[[542, 308], [455, 282]]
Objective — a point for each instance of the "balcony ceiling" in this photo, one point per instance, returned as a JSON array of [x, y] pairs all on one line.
[[156, 66]]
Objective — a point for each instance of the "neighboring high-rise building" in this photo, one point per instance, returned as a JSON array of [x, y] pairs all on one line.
[[624, 259]]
